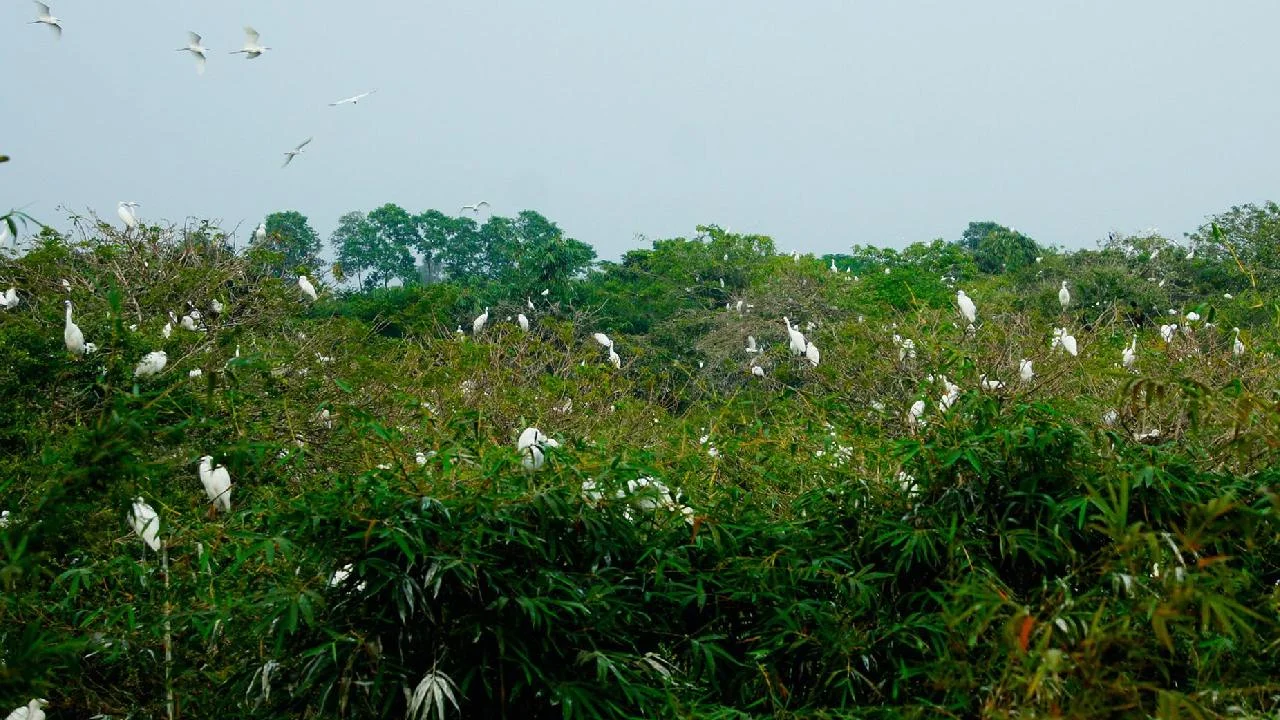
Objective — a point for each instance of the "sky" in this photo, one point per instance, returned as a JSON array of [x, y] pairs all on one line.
[[822, 123]]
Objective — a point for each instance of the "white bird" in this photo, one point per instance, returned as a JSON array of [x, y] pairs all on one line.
[[145, 523], [614, 358], [1237, 347], [66, 286], [1167, 332], [915, 416], [44, 17], [188, 323], [125, 211], [1066, 342], [151, 364], [354, 99], [261, 233], [33, 710], [738, 307], [477, 325], [71, 334], [795, 339], [475, 208], [545, 292], [1064, 295], [532, 446], [751, 344], [523, 321], [290, 155], [603, 339], [989, 385], [833, 266], [195, 373], [757, 371], [217, 483], [9, 299], [252, 48], [529, 301], [1026, 371], [307, 288], [967, 308], [1129, 354], [1193, 316], [1110, 417], [811, 354], [197, 51]]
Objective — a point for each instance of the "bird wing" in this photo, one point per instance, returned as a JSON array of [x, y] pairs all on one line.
[[250, 36], [200, 61], [44, 9], [57, 29], [482, 202], [288, 158], [193, 38], [303, 144]]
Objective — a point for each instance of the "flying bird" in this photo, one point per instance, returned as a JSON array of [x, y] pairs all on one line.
[[197, 51], [354, 99], [44, 17], [476, 209], [289, 156], [252, 48]]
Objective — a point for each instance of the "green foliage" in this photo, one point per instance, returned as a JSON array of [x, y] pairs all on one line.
[[291, 242]]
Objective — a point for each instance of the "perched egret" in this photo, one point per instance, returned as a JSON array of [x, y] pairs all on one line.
[[216, 306], [9, 299], [545, 292], [1064, 295], [739, 307], [45, 17], [795, 339], [195, 373], [757, 371], [812, 354], [145, 523], [307, 288], [127, 215], [1167, 332], [261, 233], [602, 339], [1025, 371], [1193, 316], [1067, 342], [529, 302], [1237, 347], [354, 99], [1110, 417], [989, 385], [71, 334], [475, 208], [33, 710], [217, 483], [523, 321], [66, 285], [614, 358], [252, 48], [189, 323], [915, 416], [290, 155], [751, 345], [532, 446], [197, 51], [477, 325], [151, 364], [834, 269], [1129, 354], [967, 308]]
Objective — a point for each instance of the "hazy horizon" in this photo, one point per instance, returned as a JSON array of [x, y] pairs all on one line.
[[822, 125]]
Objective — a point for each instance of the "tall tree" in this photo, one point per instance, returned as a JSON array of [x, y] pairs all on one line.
[[997, 248], [291, 237]]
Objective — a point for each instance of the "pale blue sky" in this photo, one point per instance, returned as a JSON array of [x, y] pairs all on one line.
[[821, 123]]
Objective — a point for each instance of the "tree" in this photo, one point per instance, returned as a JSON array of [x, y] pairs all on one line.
[[291, 236], [1246, 236], [997, 248], [376, 247], [451, 247], [531, 254]]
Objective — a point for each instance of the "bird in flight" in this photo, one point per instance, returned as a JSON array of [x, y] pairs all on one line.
[[354, 99], [289, 156], [252, 48], [197, 49], [44, 17], [476, 207]]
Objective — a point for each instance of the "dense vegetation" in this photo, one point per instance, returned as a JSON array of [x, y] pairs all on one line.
[[1097, 541]]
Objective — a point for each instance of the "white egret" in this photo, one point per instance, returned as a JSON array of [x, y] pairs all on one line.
[[197, 51], [795, 339], [614, 358], [71, 334], [1167, 332], [1025, 371], [290, 155], [523, 321], [989, 385], [751, 345], [307, 288], [217, 483], [9, 299], [1237, 347], [967, 308], [1193, 316], [532, 446], [475, 208], [1130, 354], [66, 286], [252, 48], [354, 99], [812, 354], [1064, 295], [529, 302], [757, 371], [739, 307], [1068, 343], [145, 523], [33, 710], [478, 324], [195, 373], [1110, 417], [189, 323], [545, 292], [915, 415], [261, 233], [45, 17], [602, 339], [127, 215], [834, 269], [151, 364]]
